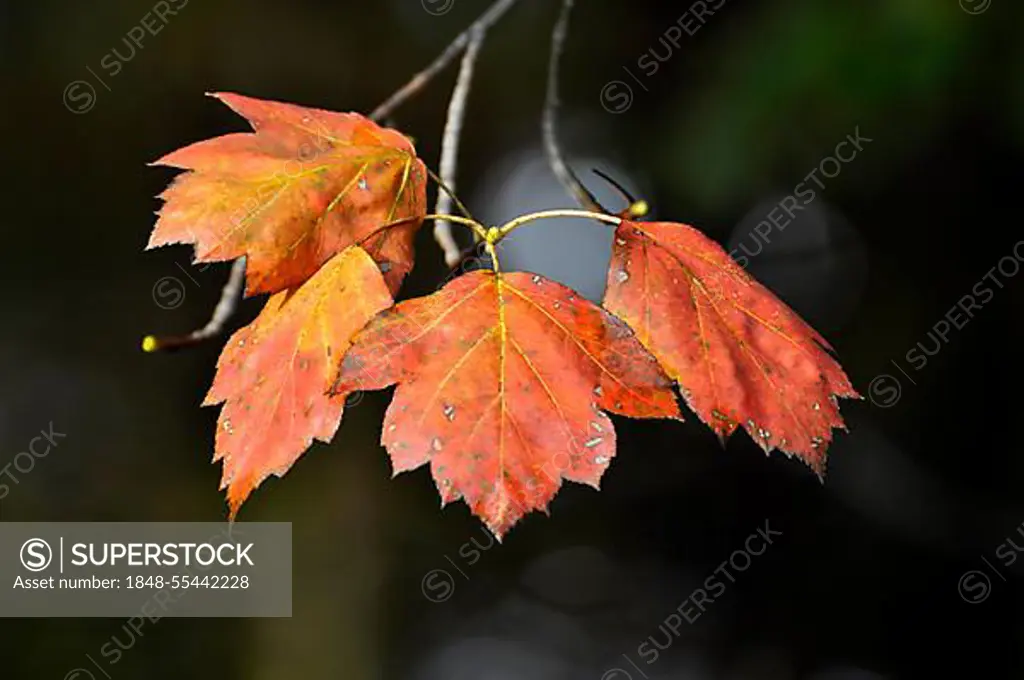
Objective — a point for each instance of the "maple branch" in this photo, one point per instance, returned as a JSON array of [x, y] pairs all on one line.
[[420, 80], [477, 228], [450, 145], [229, 297], [448, 190], [493, 252], [479, 231], [556, 159], [510, 226]]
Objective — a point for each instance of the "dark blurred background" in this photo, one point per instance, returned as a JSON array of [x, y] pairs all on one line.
[[898, 566]]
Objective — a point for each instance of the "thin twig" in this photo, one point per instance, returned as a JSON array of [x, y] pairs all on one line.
[[556, 159], [513, 224], [420, 80], [229, 297], [450, 145], [442, 186], [636, 209]]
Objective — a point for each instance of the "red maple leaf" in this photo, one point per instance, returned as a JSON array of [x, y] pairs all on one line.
[[303, 187], [503, 380], [739, 354], [273, 375]]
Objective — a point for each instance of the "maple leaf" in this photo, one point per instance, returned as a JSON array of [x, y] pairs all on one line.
[[304, 186], [739, 354], [273, 374], [503, 380]]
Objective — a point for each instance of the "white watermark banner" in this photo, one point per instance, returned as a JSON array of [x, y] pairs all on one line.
[[151, 569]]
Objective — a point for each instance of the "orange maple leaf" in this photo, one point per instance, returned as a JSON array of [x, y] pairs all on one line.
[[739, 354], [503, 380], [273, 375], [304, 186]]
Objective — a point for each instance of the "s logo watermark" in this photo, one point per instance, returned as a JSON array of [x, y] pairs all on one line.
[[36, 554]]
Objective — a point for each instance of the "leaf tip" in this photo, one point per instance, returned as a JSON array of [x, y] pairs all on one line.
[[820, 468], [237, 493]]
